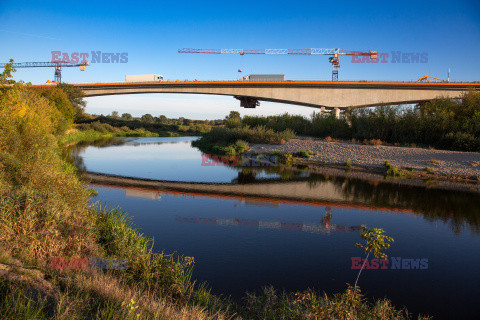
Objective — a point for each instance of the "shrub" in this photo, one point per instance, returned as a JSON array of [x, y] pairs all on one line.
[[348, 164], [391, 170], [429, 170], [286, 158], [303, 154], [373, 142], [241, 146], [460, 141], [251, 135]]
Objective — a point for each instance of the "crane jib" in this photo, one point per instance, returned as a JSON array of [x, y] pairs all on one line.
[[336, 52]]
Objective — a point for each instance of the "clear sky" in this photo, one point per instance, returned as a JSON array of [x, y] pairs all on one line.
[[151, 32]]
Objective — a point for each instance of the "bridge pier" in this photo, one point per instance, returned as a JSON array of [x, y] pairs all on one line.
[[337, 112]]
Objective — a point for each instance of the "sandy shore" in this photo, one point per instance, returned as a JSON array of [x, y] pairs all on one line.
[[449, 163]]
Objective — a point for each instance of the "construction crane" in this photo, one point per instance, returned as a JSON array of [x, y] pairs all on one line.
[[426, 78], [57, 65], [334, 53]]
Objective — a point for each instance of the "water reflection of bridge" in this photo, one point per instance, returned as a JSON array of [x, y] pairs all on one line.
[[297, 192], [459, 209]]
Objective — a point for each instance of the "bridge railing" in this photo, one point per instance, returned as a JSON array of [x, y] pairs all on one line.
[[246, 81]]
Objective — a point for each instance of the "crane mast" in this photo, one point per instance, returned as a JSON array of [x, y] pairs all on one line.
[[334, 53]]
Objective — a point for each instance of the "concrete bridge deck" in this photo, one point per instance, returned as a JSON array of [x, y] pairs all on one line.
[[316, 94]]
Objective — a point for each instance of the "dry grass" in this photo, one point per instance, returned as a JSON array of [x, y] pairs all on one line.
[[435, 162], [149, 304], [330, 139], [373, 142], [92, 295]]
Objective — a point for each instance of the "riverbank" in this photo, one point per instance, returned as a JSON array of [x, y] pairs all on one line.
[[93, 128], [76, 136], [409, 162]]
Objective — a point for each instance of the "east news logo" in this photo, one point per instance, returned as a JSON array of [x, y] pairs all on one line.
[[394, 263]]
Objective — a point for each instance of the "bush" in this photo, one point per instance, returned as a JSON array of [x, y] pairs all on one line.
[[286, 158], [391, 170], [251, 135], [303, 154], [241, 146], [43, 207], [460, 141]]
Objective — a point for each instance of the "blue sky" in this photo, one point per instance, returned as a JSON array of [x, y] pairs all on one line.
[[151, 32]]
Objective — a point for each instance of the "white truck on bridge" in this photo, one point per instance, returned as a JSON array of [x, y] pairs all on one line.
[[265, 77], [144, 78]]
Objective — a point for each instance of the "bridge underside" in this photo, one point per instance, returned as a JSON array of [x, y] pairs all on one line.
[[327, 95]]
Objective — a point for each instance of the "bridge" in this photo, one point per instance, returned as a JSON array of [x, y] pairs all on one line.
[[316, 94]]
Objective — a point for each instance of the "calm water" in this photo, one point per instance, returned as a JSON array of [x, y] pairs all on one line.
[[304, 237], [155, 158]]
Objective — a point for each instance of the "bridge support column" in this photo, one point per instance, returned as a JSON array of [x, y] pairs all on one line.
[[337, 113], [322, 111]]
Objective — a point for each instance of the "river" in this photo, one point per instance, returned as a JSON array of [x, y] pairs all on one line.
[[252, 227]]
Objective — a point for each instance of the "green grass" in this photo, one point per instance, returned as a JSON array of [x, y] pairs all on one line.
[[303, 154], [309, 304], [14, 303], [92, 135], [393, 171], [348, 164], [429, 170]]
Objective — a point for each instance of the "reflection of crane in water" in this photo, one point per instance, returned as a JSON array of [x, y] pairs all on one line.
[[328, 217], [324, 227]]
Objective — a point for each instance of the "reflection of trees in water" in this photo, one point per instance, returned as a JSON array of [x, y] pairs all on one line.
[[459, 209], [249, 174], [245, 176], [73, 153]]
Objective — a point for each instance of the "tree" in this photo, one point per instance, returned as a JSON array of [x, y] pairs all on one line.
[[233, 120], [147, 118], [5, 77], [233, 115], [162, 119], [60, 100], [114, 114], [75, 95], [375, 242], [127, 116]]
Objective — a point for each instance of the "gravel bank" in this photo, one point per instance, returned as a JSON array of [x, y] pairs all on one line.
[[456, 163]]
